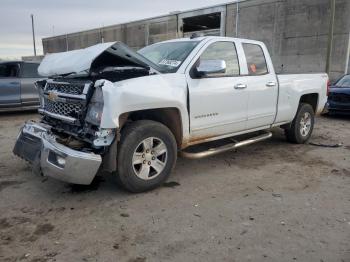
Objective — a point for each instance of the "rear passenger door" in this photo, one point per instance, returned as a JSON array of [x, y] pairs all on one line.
[[10, 86], [29, 94], [262, 86]]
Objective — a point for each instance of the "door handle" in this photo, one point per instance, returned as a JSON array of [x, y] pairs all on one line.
[[271, 84], [240, 86]]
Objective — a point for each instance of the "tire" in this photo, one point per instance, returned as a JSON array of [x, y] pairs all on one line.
[[146, 147], [302, 126]]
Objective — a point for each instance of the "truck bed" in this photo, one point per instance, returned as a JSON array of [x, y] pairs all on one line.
[[293, 86]]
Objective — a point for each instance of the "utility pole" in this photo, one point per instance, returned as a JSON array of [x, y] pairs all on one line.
[[330, 37], [32, 17], [237, 18]]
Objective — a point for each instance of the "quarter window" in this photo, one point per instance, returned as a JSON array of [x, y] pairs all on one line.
[[255, 59], [223, 51]]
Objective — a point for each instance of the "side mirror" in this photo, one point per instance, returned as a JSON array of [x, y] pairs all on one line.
[[210, 67]]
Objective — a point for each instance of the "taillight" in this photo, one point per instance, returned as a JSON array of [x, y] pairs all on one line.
[[328, 87]]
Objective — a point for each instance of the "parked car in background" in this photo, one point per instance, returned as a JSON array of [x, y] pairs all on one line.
[[339, 96], [17, 89]]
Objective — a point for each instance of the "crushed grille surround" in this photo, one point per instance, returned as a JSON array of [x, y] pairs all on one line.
[[66, 101]]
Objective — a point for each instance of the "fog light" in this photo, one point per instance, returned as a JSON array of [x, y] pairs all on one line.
[[56, 160], [61, 161]]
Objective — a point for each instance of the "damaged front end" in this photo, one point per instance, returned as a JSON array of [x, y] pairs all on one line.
[[68, 143], [37, 144]]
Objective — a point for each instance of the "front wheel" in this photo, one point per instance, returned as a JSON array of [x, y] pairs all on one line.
[[302, 126], [147, 154]]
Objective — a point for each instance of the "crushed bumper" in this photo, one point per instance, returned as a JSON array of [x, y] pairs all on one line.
[[36, 144]]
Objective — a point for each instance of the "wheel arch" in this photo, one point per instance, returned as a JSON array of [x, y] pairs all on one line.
[[170, 117], [311, 99]]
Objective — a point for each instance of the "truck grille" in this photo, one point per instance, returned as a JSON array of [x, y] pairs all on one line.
[[66, 101], [63, 109], [66, 88]]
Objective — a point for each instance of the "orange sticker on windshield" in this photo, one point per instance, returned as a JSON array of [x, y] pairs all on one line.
[[253, 68]]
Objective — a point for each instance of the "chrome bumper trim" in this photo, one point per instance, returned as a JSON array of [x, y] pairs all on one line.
[[60, 162], [64, 118]]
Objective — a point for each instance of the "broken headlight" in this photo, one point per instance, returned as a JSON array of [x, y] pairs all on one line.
[[95, 109]]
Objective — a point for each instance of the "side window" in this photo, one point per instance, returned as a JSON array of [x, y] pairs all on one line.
[[30, 70], [225, 51], [255, 59], [9, 70]]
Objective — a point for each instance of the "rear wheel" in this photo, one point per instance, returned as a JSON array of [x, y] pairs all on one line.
[[302, 126], [146, 157]]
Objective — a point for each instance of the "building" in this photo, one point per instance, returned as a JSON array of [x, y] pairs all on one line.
[[37, 58], [296, 32]]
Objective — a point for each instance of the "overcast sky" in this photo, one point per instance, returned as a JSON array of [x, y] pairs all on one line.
[[55, 17]]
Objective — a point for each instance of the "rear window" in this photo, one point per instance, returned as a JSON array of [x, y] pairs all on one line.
[[30, 70], [9, 70], [255, 59], [343, 82]]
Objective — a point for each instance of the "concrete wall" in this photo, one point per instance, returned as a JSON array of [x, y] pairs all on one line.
[[135, 34], [295, 32]]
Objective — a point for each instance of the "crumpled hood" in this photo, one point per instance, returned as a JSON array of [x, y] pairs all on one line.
[[93, 58]]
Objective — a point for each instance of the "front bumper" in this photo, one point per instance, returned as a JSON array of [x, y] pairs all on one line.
[[36, 144]]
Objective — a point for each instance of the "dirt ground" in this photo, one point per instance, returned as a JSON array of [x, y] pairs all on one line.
[[271, 201]]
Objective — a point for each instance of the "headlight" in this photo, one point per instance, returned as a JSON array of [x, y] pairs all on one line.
[[40, 85], [94, 113]]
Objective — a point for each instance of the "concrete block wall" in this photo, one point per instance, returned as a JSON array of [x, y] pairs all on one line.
[[295, 32], [135, 34]]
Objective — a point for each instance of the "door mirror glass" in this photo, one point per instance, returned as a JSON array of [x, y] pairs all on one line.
[[211, 67]]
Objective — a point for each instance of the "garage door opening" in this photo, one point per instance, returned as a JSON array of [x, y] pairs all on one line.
[[209, 24]]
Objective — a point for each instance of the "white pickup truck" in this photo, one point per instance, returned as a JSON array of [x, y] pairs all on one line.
[[109, 108]]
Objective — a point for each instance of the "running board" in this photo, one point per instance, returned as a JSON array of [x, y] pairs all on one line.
[[227, 147]]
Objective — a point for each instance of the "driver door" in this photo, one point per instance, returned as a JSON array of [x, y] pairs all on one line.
[[10, 86], [218, 101]]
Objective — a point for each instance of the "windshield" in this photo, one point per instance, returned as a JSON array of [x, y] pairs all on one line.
[[343, 82], [168, 56]]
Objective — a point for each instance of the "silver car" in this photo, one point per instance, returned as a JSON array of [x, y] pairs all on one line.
[[17, 90]]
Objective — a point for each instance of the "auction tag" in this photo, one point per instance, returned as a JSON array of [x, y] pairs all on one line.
[[172, 63]]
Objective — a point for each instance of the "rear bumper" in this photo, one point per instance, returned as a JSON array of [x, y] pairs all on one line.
[[36, 144], [342, 108]]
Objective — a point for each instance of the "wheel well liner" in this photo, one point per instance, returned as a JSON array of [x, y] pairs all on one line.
[[311, 99]]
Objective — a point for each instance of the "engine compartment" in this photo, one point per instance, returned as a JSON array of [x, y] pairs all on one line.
[[65, 102]]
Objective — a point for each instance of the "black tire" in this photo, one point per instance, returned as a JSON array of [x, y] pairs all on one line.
[[294, 133], [132, 137]]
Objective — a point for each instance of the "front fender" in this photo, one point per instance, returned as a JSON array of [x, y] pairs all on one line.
[[144, 93]]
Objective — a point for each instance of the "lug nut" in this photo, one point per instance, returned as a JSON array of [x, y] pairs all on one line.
[[152, 152], [153, 158], [144, 162], [149, 163], [143, 156], [147, 151]]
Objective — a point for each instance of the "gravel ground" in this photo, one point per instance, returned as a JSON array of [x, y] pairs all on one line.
[[271, 201]]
